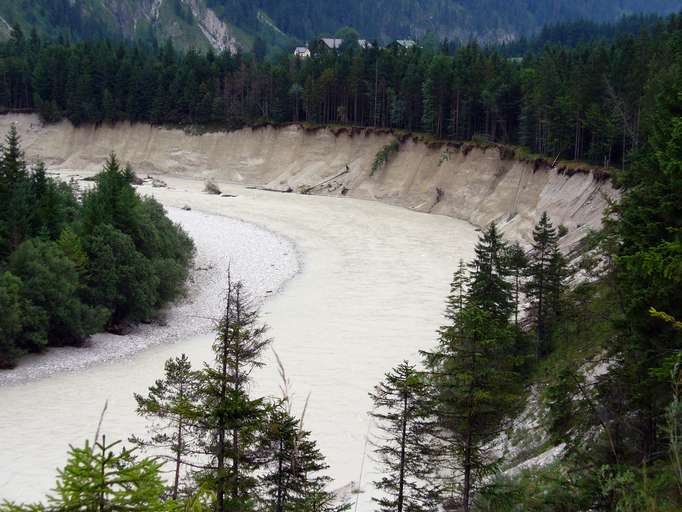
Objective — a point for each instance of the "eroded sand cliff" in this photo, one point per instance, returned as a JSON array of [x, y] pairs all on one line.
[[469, 183]]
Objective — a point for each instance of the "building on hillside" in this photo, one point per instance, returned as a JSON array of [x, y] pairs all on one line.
[[301, 52], [332, 43], [405, 43]]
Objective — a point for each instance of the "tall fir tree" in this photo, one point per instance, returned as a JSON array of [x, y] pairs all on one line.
[[99, 478], [459, 288], [546, 271], [16, 194], [231, 418], [293, 478], [517, 263], [490, 289], [403, 445], [170, 408], [476, 388]]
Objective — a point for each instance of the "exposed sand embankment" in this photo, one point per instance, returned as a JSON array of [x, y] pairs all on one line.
[[475, 185]]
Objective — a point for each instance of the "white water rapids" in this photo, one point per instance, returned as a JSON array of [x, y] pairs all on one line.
[[369, 294]]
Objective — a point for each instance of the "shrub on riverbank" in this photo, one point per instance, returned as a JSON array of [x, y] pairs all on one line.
[[71, 267], [211, 188]]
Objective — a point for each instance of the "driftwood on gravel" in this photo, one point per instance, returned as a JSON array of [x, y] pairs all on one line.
[[308, 189]]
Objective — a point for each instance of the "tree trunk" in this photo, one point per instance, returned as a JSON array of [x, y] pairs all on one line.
[[220, 491], [466, 491], [178, 462], [541, 312], [236, 449], [401, 482], [280, 504], [102, 475]]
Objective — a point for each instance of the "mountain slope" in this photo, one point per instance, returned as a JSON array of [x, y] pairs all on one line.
[[484, 19], [234, 24], [188, 23]]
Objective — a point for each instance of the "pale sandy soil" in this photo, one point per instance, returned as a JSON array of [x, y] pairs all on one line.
[[472, 184]]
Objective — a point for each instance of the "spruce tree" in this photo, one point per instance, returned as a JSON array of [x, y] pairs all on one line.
[[403, 446], [16, 195], [170, 405], [459, 288], [231, 418], [292, 479], [97, 478], [12, 164], [489, 288], [55, 204], [517, 263], [475, 389], [558, 274], [547, 270]]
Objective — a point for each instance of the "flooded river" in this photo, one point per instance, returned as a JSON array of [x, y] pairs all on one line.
[[370, 293]]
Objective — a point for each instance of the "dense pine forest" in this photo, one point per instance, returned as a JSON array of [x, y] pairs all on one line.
[[72, 263], [582, 103]]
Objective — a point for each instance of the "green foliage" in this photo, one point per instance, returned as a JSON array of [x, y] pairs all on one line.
[[230, 451], [77, 267], [97, 478], [476, 387], [231, 418], [547, 275], [542, 489], [72, 247], [118, 277], [459, 289], [579, 103], [11, 321], [640, 490], [517, 263], [404, 449], [171, 410], [293, 478], [16, 198], [489, 288], [137, 258], [383, 155], [621, 421], [53, 313]]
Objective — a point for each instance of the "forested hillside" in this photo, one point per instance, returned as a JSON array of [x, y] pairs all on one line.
[[581, 103], [492, 20], [239, 23]]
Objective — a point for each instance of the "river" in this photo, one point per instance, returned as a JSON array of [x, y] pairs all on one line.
[[369, 294]]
